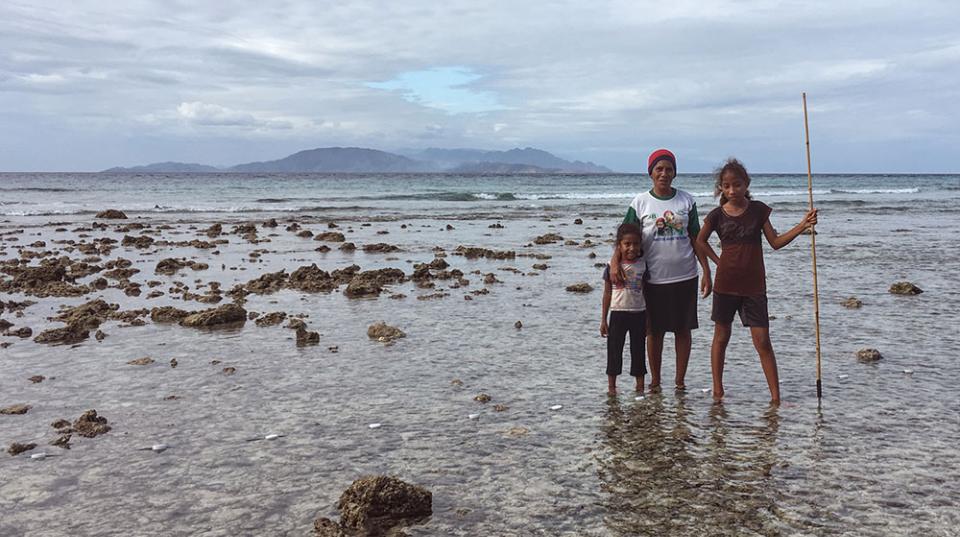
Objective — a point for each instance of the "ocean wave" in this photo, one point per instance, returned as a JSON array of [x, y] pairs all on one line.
[[193, 210], [37, 189], [913, 190]]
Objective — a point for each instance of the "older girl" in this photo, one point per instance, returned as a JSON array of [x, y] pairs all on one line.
[[740, 286]]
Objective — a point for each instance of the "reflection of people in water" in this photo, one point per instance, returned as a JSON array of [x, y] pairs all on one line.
[[668, 472], [647, 459]]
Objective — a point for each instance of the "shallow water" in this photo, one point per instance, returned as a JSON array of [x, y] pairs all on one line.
[[877, 457]]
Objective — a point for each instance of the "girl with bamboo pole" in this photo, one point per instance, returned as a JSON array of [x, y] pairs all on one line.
[[740, 282]]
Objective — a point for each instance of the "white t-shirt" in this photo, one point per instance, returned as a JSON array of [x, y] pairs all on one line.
[[668, 225], [629, 296]]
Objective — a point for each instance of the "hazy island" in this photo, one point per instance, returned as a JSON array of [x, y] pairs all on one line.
[[362, 160]]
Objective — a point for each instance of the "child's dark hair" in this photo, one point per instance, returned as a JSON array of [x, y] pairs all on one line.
[[628, 229], [735, 167]]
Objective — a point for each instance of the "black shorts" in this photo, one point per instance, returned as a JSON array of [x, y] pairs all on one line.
[[752, 309], [672, 307]]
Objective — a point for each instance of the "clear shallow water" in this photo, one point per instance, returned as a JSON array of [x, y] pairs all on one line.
[[878, 457]]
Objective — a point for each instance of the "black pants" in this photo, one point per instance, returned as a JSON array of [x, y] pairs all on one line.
[[621, 322]]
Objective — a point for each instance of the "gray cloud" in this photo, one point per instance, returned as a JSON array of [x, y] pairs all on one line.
[[603, 81]]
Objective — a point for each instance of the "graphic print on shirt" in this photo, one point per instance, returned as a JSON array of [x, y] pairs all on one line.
[[669, 224]]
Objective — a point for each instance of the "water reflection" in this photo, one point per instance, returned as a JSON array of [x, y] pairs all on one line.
[[662, 473]]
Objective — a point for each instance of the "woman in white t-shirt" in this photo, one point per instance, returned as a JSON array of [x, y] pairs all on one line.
[[668, 217]]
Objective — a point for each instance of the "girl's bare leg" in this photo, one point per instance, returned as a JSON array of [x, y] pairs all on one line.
[[761, 341], [684, 341], [611, 384], [718, 354]]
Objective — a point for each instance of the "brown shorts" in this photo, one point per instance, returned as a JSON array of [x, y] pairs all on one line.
[[752, 309], [671, 307]]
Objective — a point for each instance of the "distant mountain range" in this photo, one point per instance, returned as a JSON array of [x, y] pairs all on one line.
[[361, 160]]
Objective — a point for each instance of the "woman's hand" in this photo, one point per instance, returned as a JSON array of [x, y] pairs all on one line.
[[706, 285], [810, 219], [603, 328]]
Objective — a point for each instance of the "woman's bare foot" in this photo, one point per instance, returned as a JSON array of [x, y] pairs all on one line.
[[654, 388], [680, 387], [718, 395]]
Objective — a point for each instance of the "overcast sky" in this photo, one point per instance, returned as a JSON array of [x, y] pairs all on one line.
[[90, 84]]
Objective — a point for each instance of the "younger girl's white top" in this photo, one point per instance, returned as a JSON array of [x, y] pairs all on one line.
[[629, 296]]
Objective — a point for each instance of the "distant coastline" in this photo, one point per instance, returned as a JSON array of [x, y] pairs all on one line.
[[363, 160]]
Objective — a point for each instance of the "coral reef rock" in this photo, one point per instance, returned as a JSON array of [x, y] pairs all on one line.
[[377, 503], [905, 288]]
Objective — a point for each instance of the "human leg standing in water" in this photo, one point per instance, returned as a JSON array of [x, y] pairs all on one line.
[[668, 217], [740, 286]]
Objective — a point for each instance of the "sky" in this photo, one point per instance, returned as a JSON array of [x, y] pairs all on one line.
[[90, 84]]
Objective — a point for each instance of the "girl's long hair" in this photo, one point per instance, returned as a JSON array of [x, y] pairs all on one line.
[[735, 167]]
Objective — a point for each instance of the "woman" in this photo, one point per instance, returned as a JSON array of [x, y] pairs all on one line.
[[668, 217]]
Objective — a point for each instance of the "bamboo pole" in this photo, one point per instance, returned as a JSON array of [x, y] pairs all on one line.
[[813, 247]]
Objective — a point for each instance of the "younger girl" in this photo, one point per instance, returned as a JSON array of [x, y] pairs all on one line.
[[740, 284], [627, 309]]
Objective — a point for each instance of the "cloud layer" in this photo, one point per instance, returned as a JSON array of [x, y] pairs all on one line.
[[86, 85]]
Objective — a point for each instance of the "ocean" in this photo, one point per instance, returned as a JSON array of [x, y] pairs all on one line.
[[876, 456]]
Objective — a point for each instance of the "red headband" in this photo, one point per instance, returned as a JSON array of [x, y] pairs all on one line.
[[657, 156]]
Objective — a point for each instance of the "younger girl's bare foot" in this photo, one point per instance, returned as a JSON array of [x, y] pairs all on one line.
[[718, 395], [680, 387], [654, 388]]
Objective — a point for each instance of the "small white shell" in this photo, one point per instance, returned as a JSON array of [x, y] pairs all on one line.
[[841, 377], [639, 398], [38, 456], [556, 407], [374, 426], [159, 448], [705, 390], [908, 371], [271, 436], [473, 416]]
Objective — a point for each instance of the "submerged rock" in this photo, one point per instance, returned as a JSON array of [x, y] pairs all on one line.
[[377, 503], [380, 247], [905, 288], [580, 288], [17, 448], [330, 236], [474, 253], [23, 332], [851, 303], [324, 527], [146, 360], [16, 409], [90, 425], [549, 238], [111, 214], [371, 282], [383, 332], [271, 319], [67, 335], [227, 314], [168, 314], [869, 355], [305, 337]]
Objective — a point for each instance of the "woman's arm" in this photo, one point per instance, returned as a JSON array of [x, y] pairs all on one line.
[[779, 241], [605, 307]]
